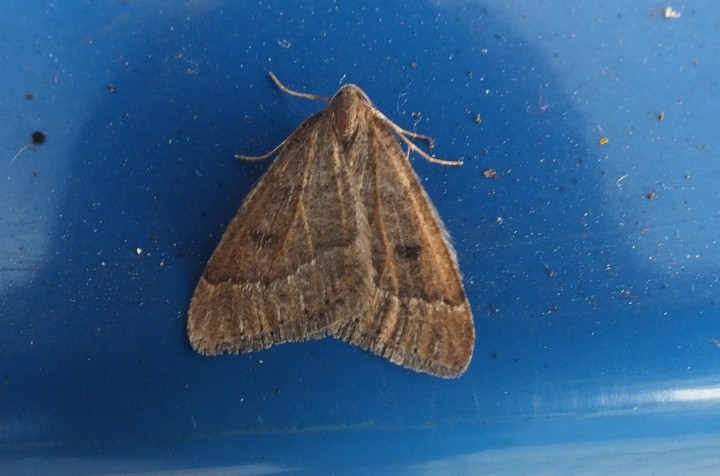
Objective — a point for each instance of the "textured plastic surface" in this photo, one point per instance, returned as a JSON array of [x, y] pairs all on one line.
[[592, 269]]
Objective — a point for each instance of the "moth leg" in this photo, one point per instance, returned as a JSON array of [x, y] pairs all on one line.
[[400, 131], [404, 135]]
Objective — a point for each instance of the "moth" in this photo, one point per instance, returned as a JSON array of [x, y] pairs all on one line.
[[339, 239]]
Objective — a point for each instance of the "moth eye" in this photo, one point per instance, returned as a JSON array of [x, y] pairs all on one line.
[[408, 252]]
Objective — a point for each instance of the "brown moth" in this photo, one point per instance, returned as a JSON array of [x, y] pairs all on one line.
[[338, 238]]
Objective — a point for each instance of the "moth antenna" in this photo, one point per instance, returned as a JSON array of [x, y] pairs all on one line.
[[285, 89], [261, 157], [399, 131]]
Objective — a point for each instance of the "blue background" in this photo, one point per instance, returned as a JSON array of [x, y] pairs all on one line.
[[596, 307]]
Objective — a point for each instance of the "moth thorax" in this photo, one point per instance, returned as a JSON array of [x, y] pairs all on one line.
[[348, 107]]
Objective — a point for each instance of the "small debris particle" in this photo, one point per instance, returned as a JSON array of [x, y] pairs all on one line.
[[499, 220], [38, 138], [284, 43], [138, 251], [112, 88], [671, 13], [661, 115], [490, 173], [603, 140], [650, 195], [29, 96], [477, 119], [413, 66]]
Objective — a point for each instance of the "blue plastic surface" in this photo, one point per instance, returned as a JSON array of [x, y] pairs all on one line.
[[592, 270]]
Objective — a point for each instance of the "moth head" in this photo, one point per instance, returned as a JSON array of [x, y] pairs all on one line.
[[348, 107]]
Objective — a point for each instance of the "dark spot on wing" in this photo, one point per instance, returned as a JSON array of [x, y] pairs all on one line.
[[408, 252], [262, 239]]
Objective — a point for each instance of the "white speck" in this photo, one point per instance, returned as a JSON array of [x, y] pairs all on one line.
[[671, 13]]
